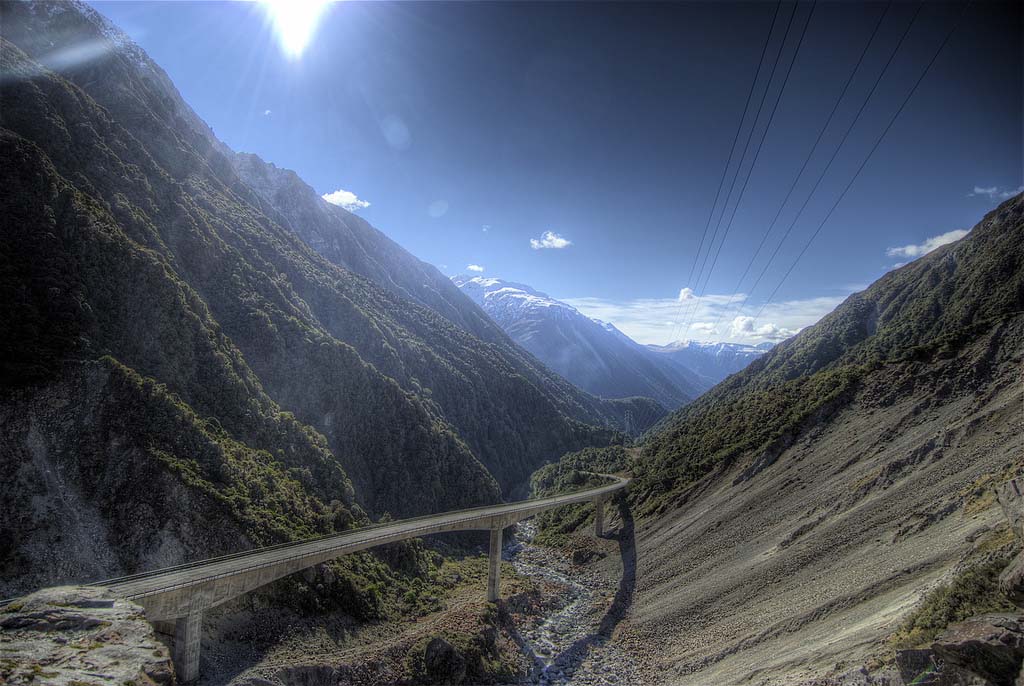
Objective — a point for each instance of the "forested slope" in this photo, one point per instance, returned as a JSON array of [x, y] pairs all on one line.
[[131, 249]]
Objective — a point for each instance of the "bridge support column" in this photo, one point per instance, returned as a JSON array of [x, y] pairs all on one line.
[[187, 635], [599, 517], [494, 567]]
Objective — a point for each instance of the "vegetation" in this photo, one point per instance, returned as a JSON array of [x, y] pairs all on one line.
[[205, 380], [927, 310], [973, 591], [730, 423], [477, 653], [572, 472]]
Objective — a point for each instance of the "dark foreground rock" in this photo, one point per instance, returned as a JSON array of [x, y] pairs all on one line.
[[990, 646], [1011, 580], [80, 635], [444, 663]]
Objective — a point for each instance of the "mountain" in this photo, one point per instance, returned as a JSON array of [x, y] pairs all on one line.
[[185, 375], [593, 355], [791, 517], [710, 361]]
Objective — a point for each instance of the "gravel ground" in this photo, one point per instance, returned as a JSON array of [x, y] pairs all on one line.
[[797, 575], [574, 644]]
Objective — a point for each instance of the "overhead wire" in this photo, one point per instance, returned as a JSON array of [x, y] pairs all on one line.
[[863, 164], [803, 167], [757, 153], [839, 147], [739, 165], [732, 149]]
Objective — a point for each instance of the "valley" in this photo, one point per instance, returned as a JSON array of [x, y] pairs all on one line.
[[300, 454]]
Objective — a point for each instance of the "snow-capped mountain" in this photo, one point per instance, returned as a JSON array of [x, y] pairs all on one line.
[[594, 355], [711, 361]]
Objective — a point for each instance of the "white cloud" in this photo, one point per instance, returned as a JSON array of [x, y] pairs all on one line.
[[995, 192], [744, 326], [927, 246], [267, 113], [658, 320], [474, 268], [686, 294], [704, 327], [346, 200], [549, 239], [485, 228]]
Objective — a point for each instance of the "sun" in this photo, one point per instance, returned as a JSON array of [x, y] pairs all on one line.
[[295, 22]]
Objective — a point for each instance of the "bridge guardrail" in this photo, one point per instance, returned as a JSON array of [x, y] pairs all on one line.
[[471, 515]]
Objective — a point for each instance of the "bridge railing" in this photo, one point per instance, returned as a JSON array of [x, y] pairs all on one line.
[[471, 515]]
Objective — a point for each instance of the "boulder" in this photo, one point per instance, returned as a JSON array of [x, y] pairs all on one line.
[[1011, 498], [444, 663], [70, 634], [989, 646], [917, 666], [1011, 580]]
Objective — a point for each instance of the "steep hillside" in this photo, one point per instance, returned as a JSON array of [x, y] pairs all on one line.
[[875, 436], [350, 242], [595, 356], [289, 388]]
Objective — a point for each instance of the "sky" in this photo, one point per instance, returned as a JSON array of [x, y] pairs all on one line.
[[580, 148]]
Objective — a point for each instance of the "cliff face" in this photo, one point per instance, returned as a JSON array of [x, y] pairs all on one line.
[[176, 354]]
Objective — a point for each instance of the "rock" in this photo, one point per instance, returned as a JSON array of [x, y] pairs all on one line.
[[489, 638], [1011, 580], [581, 556], [444, 663], [990, 646], [917, 666], [69, 634], [1011, 498]]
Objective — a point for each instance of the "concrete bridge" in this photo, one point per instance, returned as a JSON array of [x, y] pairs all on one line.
[[175, 598]]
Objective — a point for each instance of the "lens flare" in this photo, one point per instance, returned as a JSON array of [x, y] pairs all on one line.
[[295, 22]]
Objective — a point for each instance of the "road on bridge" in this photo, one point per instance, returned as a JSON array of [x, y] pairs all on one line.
[[183, 592]]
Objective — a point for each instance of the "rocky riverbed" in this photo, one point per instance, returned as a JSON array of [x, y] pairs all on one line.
[[573, 645]]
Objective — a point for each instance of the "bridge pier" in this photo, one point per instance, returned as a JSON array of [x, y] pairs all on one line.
[[599, 517], [494, 566], [187, 636]]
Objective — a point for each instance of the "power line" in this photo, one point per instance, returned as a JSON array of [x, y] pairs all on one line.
[[866, 159], [803, 167], [739, 165], [839, 147], [732, 150], [757, 153]]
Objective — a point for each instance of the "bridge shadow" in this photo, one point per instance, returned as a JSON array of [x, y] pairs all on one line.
[[574, 656]]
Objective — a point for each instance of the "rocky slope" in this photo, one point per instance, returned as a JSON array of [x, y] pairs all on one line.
[[593, 355], [177, 355], [876, 436], [70, 636]]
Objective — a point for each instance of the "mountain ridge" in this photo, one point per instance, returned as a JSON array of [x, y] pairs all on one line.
[[129, 238], [596, 355], [875, 434]]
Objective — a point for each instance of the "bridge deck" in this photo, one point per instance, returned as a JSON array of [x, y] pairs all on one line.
[[203, 572]]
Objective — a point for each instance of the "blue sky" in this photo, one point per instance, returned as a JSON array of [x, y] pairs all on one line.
[[578, 147]]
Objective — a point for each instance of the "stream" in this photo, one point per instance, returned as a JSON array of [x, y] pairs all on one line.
[[565, 645]]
